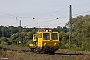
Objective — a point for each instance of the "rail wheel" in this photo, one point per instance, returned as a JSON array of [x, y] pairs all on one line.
[[31, 49], [51, 52]]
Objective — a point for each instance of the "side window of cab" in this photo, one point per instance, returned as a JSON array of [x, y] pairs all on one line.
[[40, 35]]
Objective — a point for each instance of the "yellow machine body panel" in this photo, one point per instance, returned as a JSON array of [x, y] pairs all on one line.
[[47, 41], [50, 43], [35, 37], [39, 42]]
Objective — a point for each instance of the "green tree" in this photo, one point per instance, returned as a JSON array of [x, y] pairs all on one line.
[[4, 41], [81, 31]]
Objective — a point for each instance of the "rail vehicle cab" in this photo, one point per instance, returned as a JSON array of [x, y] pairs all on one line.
[[46, 41]]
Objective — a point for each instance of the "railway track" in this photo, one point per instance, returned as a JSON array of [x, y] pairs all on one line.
[[68, 54], [26, 49]]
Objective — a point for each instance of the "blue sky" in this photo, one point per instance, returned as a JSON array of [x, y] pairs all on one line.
[[45, 12]]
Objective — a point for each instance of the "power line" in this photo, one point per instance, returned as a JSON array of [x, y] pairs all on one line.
[[60, 18], [82, 5], [8, 14], [81, 13], [44, 14], [51, 20], [47, 14], [55, 11], [68, 6], [33, 17]]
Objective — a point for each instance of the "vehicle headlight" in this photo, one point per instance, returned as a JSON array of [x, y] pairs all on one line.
[[44, 44], [55, 44]]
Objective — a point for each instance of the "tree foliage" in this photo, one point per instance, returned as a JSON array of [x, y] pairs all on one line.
[[80, 37], [81, 31]]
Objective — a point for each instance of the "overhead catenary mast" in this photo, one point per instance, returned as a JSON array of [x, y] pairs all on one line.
[[20, 33], [70, 25]]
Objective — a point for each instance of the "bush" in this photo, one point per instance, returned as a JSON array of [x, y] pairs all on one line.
[[4, 43], [86, 48], [23, 45], [62, 46]]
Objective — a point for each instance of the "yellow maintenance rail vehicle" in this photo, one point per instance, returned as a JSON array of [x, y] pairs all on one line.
[[45, 41]]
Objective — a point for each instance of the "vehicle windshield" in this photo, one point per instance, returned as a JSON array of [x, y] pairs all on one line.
[[54, 36], [46, 36]]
